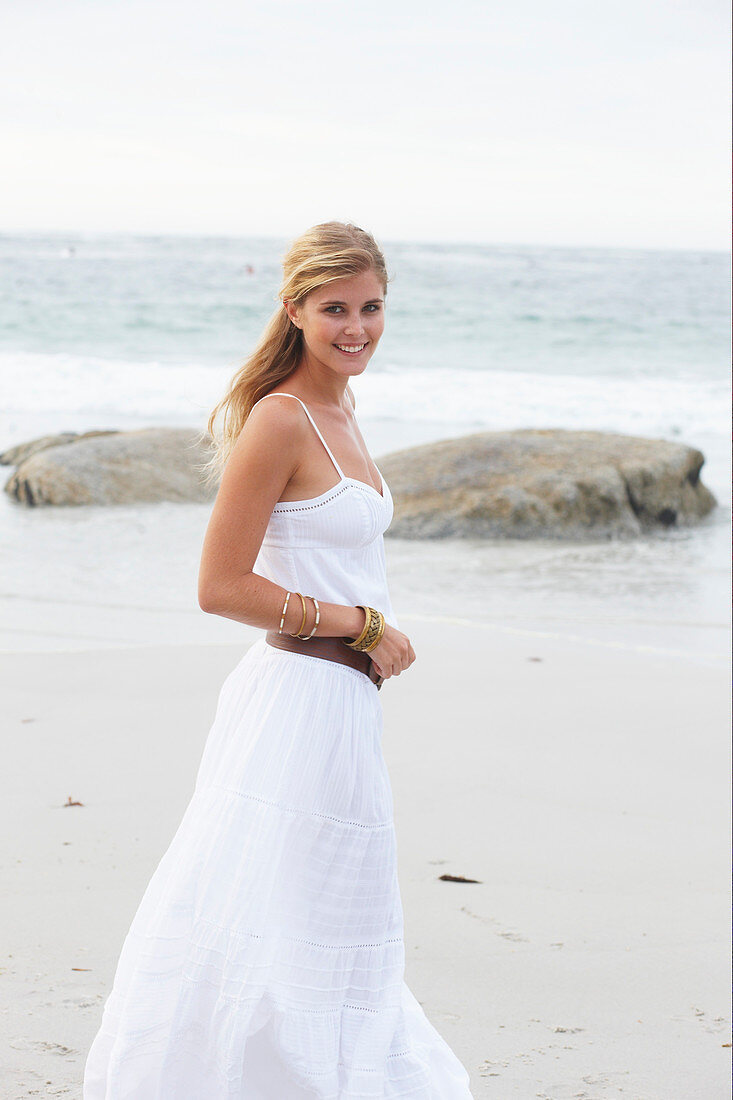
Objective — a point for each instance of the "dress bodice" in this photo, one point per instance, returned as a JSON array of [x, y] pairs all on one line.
[[331, 546]]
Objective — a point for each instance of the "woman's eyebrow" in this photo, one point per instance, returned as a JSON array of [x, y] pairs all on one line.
[[336, 303]]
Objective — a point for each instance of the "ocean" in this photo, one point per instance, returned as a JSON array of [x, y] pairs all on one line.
[[111, 331]]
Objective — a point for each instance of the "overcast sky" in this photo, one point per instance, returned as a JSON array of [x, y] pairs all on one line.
[[571, 122]]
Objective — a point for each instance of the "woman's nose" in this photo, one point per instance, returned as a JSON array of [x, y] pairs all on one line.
[[353, 325]]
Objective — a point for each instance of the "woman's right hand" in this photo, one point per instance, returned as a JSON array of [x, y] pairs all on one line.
[[393, 654]]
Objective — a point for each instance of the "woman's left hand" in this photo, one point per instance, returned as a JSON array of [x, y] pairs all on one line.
[[393, 654]]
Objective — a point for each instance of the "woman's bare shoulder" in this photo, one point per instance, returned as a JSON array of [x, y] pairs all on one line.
[[270, 443], [276, 414], [280, 400]]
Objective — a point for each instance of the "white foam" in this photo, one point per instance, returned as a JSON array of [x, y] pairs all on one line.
[[75, 390]]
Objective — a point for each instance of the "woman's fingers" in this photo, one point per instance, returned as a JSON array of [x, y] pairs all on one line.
[[395, 654]]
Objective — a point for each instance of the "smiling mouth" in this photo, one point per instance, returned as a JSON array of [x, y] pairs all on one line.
[[351, 349]]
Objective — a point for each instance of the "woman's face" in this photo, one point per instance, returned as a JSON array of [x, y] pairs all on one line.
[[342, 322]]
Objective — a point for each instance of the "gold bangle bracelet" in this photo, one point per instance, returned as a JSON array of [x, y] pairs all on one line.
[[355, 643], [285, 608], [302, 624], [371, 639], [380, 633], [307, 637], [372, 633]]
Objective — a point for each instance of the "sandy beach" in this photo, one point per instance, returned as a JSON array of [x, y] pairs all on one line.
[[584, 785]]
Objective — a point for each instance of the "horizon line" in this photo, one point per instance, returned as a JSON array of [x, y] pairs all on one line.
[[285, 237]]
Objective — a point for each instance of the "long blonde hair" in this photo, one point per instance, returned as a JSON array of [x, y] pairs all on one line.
[[330, 251]]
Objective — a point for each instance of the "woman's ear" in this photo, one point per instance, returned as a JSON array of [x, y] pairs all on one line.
[[292, 312]]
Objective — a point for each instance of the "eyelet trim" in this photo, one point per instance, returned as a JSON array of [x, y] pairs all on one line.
[[309, 507]]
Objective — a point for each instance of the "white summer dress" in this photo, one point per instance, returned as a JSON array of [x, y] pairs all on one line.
[[266, 958]]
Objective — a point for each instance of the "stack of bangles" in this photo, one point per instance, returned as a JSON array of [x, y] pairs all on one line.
[[369, 638]]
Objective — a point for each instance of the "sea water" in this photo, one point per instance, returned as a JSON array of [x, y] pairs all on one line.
[[104, 331]]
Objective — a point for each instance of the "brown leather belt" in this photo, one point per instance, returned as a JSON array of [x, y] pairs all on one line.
[[330, 649]]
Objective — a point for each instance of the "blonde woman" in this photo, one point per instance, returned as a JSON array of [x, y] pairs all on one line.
[[266, 959]]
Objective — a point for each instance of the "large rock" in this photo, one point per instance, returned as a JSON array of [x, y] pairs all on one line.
[[151, 464], [536, 483]]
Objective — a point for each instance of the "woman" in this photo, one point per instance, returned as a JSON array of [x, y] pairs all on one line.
[[266, 959]]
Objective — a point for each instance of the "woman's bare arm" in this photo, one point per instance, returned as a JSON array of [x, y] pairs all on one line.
[[263, 460]]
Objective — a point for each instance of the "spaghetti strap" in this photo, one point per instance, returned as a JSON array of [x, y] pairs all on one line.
[[279, 393]]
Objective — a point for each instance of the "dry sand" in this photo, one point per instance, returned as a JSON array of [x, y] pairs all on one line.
[[585, 786]]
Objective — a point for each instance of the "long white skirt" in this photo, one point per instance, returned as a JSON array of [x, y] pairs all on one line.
[[266, 959]]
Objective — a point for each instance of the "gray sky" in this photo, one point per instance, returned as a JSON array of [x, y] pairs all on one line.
[[569, 122]]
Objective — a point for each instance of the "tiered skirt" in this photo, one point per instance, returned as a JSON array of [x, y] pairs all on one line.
[[266, 958]]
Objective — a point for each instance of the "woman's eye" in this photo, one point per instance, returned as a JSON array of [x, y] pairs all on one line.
[[371, 307]]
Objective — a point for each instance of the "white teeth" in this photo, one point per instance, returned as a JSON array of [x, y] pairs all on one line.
[[351, 351]]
